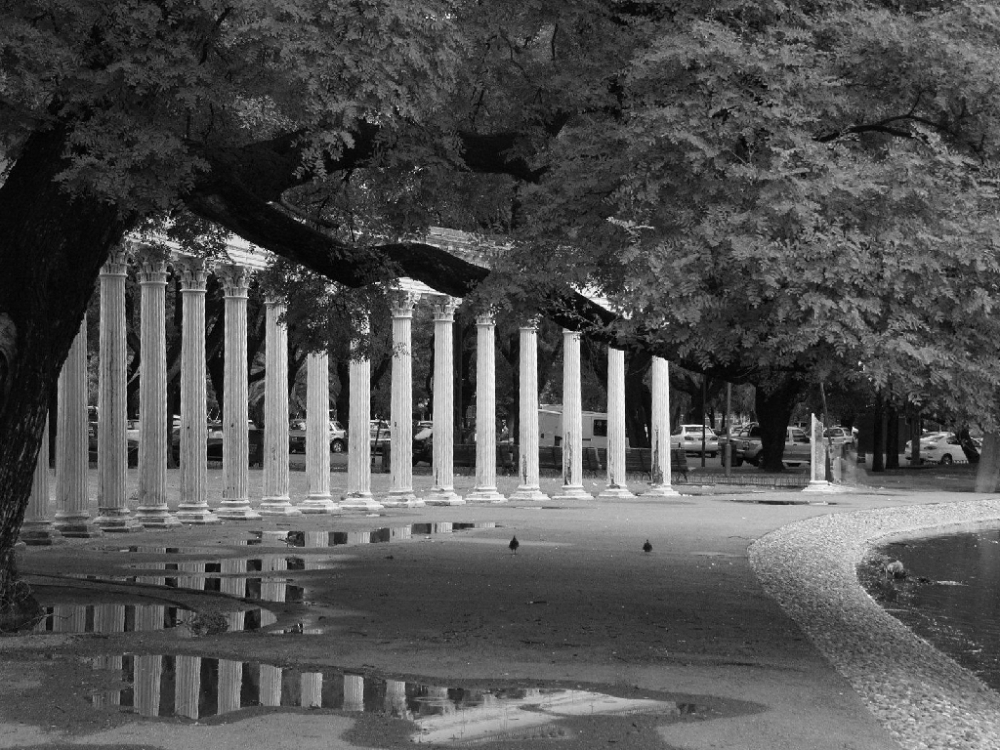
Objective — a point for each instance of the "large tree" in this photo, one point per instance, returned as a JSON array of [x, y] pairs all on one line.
[[771, 189]]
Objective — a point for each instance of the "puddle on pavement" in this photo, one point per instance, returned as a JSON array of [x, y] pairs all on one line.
[[308, 539], [198, 688]]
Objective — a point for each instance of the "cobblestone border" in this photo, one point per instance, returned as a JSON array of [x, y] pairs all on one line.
[[923, 698]]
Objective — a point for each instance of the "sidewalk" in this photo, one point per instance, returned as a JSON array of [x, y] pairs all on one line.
[[580, 606]]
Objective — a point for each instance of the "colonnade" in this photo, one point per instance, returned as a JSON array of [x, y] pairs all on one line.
[[73, 516]]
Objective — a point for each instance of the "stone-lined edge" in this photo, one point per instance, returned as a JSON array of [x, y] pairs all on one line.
[[922, 697]]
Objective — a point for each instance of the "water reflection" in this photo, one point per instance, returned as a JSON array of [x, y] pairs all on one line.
[[197, 688], [376, 536]]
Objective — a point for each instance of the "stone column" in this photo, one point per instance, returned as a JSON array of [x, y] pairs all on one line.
[[318, 435], [311, 689], [193, 507], [37, 529], [485, 490], [401, 419], [276, 501], [572, 422], [72, 450], [235, 418], [527, 431], [617, 488], [152, 511], [187, 686], [359, 457], [113, 515], [443, 491], [660, 431], [354, 692], [817, 458]]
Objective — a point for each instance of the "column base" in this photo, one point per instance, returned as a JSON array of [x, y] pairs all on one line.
[[278, 506], [77, 526], [196, 515], [402, 499], [660, 490], [571, 492], [318, 504], [39, 534], [824, 487], [156, 517], [616, 493], [116, 521], [360, 501], [237, 510], [442, 496], [485, 495], [529, 494]]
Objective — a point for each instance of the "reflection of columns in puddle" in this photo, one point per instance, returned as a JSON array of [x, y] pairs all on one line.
[[109, 618], [311, 686], [395, 698], [187, 685], [272, 589], [196, 582], [69, 618], [230, 682], [232, 583], [270, 685], [354, 692], [146, 682], [444, 702]]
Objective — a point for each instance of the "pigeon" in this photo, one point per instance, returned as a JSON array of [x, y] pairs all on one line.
[[514, 544], [647, 547]]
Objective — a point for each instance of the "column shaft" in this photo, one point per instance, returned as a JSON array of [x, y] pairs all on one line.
[[37, 529], [485, 490], [111, 441], [193, 507], [318, 435], [401, 419], [276, 500], [152, 511], [572, 422], [359, 456], [235, 423], [72, 450], [660, 431], [617, 487], [443, 491], [527, 464]]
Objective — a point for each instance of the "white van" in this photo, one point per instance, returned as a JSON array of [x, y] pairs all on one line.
[[594, 427]]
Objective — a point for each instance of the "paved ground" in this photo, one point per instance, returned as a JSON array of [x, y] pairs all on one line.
[[580, 607]]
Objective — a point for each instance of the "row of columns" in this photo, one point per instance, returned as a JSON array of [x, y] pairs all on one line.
[[73, 517]]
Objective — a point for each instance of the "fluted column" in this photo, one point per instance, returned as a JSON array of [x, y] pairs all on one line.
[[113, 515], [527, 431], [193, 508], [660, 431], [37, 528], [572, 422], [485, 490], [359, 457], [187, 686], [401, 419], [443, 491], [235, 440], [311, 689], [617, 487], [72, 449], [318, 435], [152, 511], [276, 501], [354, 692]]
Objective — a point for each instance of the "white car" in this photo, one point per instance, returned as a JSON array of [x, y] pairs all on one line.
[[937, 448], [688, 437]]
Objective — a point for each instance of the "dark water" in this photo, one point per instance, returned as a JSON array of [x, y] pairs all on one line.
[[950, 596]]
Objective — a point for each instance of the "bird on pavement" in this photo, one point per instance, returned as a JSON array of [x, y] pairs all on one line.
[[514, 544], [647, 547]]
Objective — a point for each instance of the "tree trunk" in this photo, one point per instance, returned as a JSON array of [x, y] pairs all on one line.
[[878, 434], [775, 401], [988, 470], [638, 399], [892, 437], [52, 247]]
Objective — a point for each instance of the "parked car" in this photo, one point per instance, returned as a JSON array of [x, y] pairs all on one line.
[[297, 436], [688, 437], [380, 437], [798, 449], [838, 436], [939, 448]]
